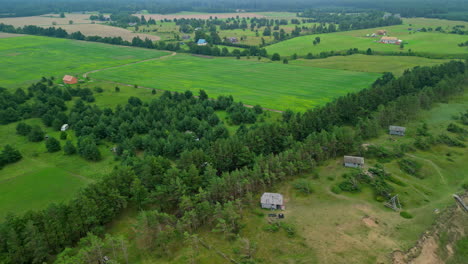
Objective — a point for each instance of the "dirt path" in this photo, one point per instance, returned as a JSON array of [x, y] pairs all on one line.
[[85, 75], [432, 164]]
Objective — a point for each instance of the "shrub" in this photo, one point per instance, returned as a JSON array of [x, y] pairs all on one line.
[[406, 215], [69, 148], [52, 145], [23, 129], [63, 135], [336, 189], [36, 134], [449, 141], [411, 167], [303, 185], [273, 228]]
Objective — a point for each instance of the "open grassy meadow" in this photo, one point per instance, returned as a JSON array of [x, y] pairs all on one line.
[[435, 43], [358, 62], [271, 85], [28, 58]]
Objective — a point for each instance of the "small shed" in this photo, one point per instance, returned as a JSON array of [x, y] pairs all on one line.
[[64, 127], [68, 79], [202, 42], [233, 39], [381, 32], [390, 40], [186, 37], [272, 201], [353, 162], [396, 130]]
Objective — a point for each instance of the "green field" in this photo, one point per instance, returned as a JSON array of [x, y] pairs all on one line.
[[436, 43], [28, 58], [271, 85], [358, 62]]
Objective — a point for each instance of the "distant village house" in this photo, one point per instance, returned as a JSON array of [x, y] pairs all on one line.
[[381, 32], [353, 162], [272, 201], [186, 37], [202, 42], [397, 130], [68, 79], [233, 39], [390, 40]]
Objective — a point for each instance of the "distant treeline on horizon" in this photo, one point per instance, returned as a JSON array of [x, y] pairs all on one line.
[[451, 9]]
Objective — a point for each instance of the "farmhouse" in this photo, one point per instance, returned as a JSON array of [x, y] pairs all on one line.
[[353, 162], [381, 32], [202, 42], [68, 79], [397, 130], [186, 37], [272, 201], [64, 127], [390, 40], [233, 40]]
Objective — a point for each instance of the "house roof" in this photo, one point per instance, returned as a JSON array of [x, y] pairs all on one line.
[[201, 41], [64, 126], [397, 128], [389, 38], [272, 198], [68, 78], [352, 159]]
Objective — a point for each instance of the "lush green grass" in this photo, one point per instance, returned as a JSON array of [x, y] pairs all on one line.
[[41, 177], [28, 58], [271, 85], [423, 42], [358, 62]]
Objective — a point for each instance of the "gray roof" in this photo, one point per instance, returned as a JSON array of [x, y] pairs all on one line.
[[272, 198], [352, 159], [397, 128]]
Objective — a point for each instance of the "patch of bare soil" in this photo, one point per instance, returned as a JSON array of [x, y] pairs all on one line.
[[201, 16], [46, 20], [369, 221], [106, 31]]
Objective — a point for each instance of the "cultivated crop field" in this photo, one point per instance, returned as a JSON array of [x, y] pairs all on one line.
[[436, 43], [271, 85], [358, 62], [28, 58]]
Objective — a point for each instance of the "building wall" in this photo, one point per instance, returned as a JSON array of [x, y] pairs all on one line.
[[352, 165], [398, 133]]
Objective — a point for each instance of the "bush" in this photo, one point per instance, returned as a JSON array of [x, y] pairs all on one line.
[[347, 186], [273, 228], [449, 141], [303, 185], [52, 145], [69, 148], [23, 129], [336, 189], [406, 215], [36, 134], [63, 135], [411, 167]]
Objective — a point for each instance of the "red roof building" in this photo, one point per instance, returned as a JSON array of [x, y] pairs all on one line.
[[68, 79]]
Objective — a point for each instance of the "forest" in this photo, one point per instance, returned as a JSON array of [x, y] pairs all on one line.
[[180, 165], [451, 9]]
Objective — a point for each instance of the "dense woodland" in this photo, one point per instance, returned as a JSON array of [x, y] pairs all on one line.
[[182, 168], [452, 9]]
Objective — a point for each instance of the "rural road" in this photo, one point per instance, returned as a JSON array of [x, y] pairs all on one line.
[[85, 75]]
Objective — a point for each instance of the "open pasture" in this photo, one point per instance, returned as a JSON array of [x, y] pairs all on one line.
[[28, 58], [434, 43], [364, 63], [271, 85]]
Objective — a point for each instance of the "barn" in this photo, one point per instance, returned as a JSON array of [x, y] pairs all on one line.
[[390, 40], [68, 79], [272, 201], [396, 130], [353, 162]]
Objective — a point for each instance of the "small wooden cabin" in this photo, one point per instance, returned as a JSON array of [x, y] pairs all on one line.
[[353, 162]]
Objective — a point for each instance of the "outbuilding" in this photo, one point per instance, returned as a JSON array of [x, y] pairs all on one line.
[[272, 201], [396, 130], [202, 42], [68, 79], [390, 40], [64, 127], [353, 162]]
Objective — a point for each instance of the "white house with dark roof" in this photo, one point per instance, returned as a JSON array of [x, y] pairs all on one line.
[[272, 201], [353, 162]]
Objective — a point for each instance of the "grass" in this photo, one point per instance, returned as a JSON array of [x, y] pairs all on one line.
[[379, 64], [436, 43], [271, 85], [28, 58]]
